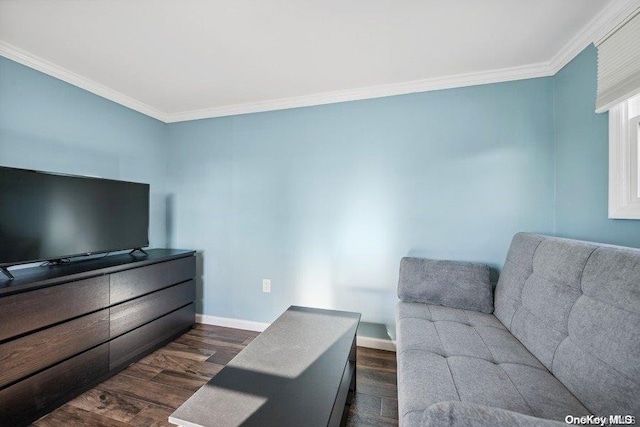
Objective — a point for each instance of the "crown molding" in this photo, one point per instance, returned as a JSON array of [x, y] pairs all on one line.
[[23, 57], [624, 11], [609, 17], [380, 91]]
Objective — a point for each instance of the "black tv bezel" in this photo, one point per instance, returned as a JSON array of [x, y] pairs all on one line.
[[106, 251]]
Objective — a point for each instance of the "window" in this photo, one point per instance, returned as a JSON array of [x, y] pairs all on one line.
[[619, 93], [624, 160]]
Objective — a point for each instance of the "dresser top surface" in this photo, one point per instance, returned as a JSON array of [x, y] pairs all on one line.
[[30, 278]]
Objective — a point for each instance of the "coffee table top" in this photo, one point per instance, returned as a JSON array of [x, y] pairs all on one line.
[[288, 376]]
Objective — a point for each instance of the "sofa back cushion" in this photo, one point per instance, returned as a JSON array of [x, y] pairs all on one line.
[[576, 306], [455, 284]]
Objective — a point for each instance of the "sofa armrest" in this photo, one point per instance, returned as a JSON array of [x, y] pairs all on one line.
[[465, 414], [455, 284]]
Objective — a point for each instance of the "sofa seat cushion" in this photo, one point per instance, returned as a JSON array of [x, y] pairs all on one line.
[[458, 414], [447, 354]]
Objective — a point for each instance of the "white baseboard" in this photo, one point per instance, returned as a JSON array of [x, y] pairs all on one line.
[[228, 322], [249, 325], [376, 343]]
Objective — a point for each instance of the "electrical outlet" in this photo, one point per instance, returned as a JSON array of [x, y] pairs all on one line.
[[266, 285]]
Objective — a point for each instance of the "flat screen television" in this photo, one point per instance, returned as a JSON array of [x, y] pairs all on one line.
[[46, 216]]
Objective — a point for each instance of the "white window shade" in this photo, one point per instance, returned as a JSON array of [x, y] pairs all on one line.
[[619, 64]]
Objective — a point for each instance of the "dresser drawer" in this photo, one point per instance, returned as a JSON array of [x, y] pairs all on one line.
[[20, 313], [131, 314], [133, 345], [129, 284], [31, 353], [31, 398]]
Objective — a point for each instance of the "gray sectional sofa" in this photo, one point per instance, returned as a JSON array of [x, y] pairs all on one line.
[[560, 337]]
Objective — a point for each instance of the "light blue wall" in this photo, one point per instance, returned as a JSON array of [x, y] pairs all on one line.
[[324, 201], [582, 159], [50, 125]]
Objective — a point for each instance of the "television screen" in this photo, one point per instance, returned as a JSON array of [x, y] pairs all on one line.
[[45, 216]]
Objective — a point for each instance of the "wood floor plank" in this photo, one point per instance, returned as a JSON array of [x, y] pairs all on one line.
[[166, 361], [117, 406], [221, 330], [182, 380], [359, 419], [141, 370], [204, 369], [153, 416], [379, 354], [186, 352], [222, 357], [389, 408], [380, 363], [248, 341], [380, 390], [376, 376], [208, 343], [70, 416], [147, 392], [222, 335], [365, 403]]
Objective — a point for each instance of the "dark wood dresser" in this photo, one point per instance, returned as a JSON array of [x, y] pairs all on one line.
[[65, 328]]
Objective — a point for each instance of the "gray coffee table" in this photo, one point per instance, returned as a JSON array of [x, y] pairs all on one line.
[[299, 372]]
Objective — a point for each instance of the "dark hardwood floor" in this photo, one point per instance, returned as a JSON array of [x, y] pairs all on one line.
[[148, 391]]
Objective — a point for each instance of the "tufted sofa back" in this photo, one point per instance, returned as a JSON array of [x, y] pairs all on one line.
[[576, 306]]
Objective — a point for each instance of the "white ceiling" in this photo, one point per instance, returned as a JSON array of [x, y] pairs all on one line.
[[174, 57]]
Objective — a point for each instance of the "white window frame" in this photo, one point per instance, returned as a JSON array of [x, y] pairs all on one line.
[[624, 160]]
